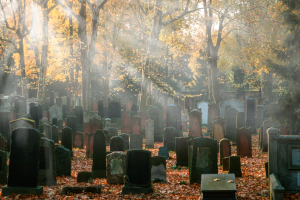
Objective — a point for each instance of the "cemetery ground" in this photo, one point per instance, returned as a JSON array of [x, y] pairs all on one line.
[[252, 185]]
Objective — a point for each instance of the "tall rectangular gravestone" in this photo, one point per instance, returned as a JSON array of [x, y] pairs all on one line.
[[3, 167], [63, 161], [99, 155], [230, 123], [181, 148], [169, 138], [149, 134], [136, 124], [125, 121], [136, 141], [155, 114], [116, 167], [244, 142], [195, 126], [158, 169]]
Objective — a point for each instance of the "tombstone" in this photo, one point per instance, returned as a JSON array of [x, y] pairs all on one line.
[[78, 112], [51, 98], [23, 163], [250, 120], [134, 109], [66, 139], [158, 169], [143, 115], [203, 159], [213, 112], [266, 113], [149, 134], [266, 125], [125, 121], [259, 114], [233, 103], [34, 113], [240, 120], [64, 111], [68, 102], [169, 138], [47, 171], [100, 108], [195, 126], [128, 105], [224, 149], [203, 106], [163, 151], [181, 148], [225, 163], [114, 109], [3, 167], [111, 132], [172, 113], [116, 143], [135, 124], [184, 119], [54, 121], [32, 101], [78, 140], [2, 143], [116, 167], [89, 145], [125, 137], [138, 172], [40, 114], [55, 134], [107, 123], [71, 122], [99, 155], [230, 124], [155, 114], [244, 143], [136, 141], [235, 166], [55, 112], [218, 128], [84, 177], [20, 107], [47, 130], [63, 161]]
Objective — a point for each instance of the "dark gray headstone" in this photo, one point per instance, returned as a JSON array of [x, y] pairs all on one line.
[[163, 151], [100, 108], [230, 123], [181, 148], [78, 140], [99, 155], [158, 169], [78, 112], [114, 109], [34, 113], [116, 143], [136, 141], [235, 166], [63, 161], [51, 98], [169, 138], [125, 137], [134, 109], [155, 114], [3, 168], [85, 177], [67, 139], [224, 149], [55, 134], [111, 132], [240, 120], [250, 120], [54, 121], [64, 111], [71, 122]]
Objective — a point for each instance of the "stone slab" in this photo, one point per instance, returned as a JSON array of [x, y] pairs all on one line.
[[77, 190], [7, 191]]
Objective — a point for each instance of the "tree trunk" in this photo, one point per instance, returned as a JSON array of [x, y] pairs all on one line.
[[72, 82], [214, 78]]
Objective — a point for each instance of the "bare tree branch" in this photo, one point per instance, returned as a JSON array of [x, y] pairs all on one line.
[[179, 17], [5, 19], [146, 13], [5, 40], [101, 5], [187, 6], [67, 9], [52, 7]]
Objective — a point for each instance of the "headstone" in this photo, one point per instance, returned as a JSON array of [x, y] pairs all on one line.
[[55, 112], [78, 112], [63, 161], [116, 167], [125, 137], [111, 132], [169, 138], [156, 115], [203, 158], [47, 130], [107, 123], [54, 121], [218, 128], [136, 124], [172, 113], [259, 116], [20, 107], [90, 145], [225, 163], [55, 134], [40, 108], [114, 109], [230, 124], [244, 143], [2, 143], [51, 98], [99, 155], [78, 140], [3, 167], [203, 106], [23, 163], [71, 122], [64, 111], [158, 169], [224, 149], [116, 143], [233, 103], [235, 166], [84, 177], [34, 113], [136, 141], [250, 120], [125, 121], [134, 109], [240, 120], [149, 134], [47, 171], [67, 139], [181, 148], [143, 115], [163, 151], [266, 125], [138, 172], [195, 126]]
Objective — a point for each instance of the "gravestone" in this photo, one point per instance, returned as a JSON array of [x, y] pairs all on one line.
[[34, 113], [240, 120], [71, 122], [114, 109], [54, 121], [138, 172], [2, 143], [47, 172], [235, 166], [203, 106], [100, 108], [136, 124], [181, 148], [259, 116], [66, 139], [163, 151], [143, 115], [225, 163], [51, 98], [218, 128], [78, 140], [184, 120], [47, 130], [64, 111], [250, 120], [244, 143], [107, 123], [116, 143], [230, 124], [149, 134], [195, 126], [125, 121], [55, 134], [99, 155], [155, 114], [55, 112], [84, 177], [116, 167], [224, 149], [3, 167], [125, 137], [266, 125], [63, 161], [233, 103], [20, 107], [111, 132], [134, 109], [4, 125], [172, 113], [203, 158], [78, 112], [89, 145], [169, 138], [158, 169], [95, 105], [23, 163], [40, 108], [136, 141]]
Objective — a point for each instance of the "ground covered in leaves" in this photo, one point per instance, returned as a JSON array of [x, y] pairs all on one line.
[[253, 184]]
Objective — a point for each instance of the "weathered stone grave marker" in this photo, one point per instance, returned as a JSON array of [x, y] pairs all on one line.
[[116, 167]]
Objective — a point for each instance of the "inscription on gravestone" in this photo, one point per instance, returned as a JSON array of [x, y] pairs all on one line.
[[203, 157], [116, 166], [295, 156]]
